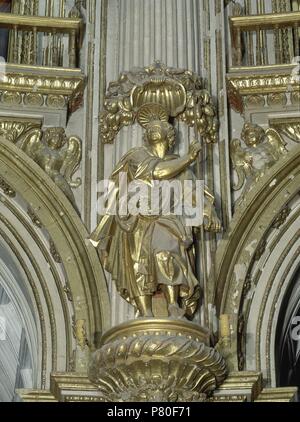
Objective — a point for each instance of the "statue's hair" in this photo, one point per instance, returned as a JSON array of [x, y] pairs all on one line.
[[259, 132], [57, 130], [163, 128]]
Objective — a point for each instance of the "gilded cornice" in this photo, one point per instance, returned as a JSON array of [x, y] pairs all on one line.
[[239, 387], [244, 382], [264, 21], [261, 81], [37, 86], [277, 395], [42, 23]]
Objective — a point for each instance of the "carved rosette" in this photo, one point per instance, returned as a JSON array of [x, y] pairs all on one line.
[[157, 360]]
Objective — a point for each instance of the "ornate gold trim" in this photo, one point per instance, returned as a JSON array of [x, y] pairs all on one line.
[[290, 127], [265, 21], [36, 396], [37, 86], [12, 128], [180, 92], [43, 23], [241, 381], [156, 360], [276, 395], [153, 326], [249, 83], [72, 387]]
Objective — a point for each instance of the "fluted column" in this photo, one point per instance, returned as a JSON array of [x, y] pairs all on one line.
[[179, 34], [142, 31]]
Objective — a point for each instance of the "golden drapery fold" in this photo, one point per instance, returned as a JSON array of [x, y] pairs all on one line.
[[143, 252]]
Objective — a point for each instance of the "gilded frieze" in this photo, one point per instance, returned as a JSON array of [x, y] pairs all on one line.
[[258, 86], [41, 87]]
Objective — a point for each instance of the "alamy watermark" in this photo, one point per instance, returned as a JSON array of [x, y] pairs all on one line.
[[296, 328], [152, 198]]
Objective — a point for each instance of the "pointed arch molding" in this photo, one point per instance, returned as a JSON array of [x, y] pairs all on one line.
[[80, 262], [255, 262]]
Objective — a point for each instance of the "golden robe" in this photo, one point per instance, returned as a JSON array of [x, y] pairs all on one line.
[[143, 252]]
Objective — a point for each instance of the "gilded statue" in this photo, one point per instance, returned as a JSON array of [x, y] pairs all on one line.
[[56, 154], [263, 148], [147, 254]]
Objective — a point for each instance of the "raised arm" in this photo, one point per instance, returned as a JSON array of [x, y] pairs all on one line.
[[170, 169]]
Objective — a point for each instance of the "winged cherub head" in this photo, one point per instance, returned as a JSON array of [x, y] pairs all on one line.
[[252, 134], [55, 137]]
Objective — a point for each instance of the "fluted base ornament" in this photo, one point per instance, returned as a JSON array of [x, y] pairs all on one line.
[[164, 360]]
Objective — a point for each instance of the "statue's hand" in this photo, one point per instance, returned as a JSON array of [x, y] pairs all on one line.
[[211, 220], [194, 150]]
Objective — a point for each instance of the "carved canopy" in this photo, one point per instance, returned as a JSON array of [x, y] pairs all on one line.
[[180, 92]]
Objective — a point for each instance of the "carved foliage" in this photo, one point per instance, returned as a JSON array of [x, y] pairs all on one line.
[[180, 92], [13, 130], [289, 128]]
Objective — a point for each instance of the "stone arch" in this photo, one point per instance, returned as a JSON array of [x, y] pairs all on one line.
[[287, 359], [255, 264], [18, 336], [87, 314]]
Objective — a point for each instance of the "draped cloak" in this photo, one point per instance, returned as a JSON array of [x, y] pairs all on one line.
[[142, 252]]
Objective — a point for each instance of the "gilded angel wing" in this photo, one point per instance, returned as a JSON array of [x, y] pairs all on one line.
[[72, 161], [277, 144], [30, 143], [241, 162]]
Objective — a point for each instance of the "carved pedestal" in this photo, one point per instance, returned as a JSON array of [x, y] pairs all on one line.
[[157, 360]]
